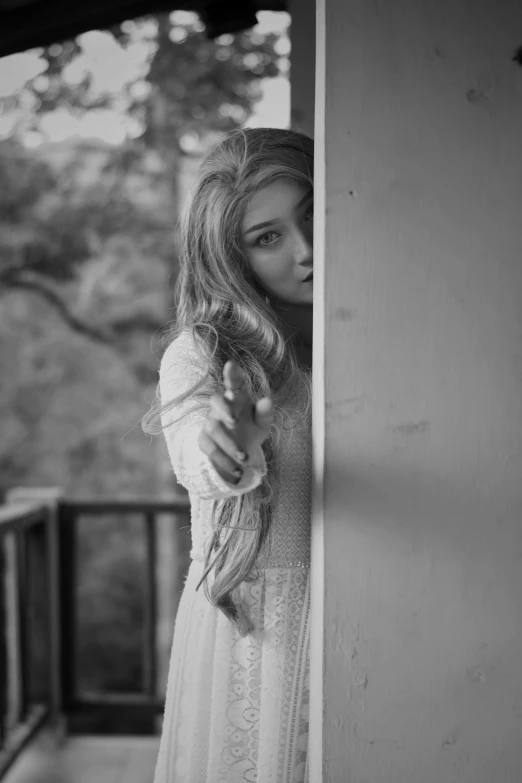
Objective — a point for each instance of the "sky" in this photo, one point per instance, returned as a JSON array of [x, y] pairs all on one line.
[[112, 67]]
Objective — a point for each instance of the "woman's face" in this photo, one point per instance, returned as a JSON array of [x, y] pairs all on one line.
[[277, 237]]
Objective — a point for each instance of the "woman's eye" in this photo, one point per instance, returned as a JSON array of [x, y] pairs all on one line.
[[310, 212], [267, 239]]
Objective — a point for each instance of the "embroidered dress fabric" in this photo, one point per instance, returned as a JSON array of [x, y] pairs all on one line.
[[236, 708]]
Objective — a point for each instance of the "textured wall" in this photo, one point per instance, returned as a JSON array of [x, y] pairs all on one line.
[[421, 109]]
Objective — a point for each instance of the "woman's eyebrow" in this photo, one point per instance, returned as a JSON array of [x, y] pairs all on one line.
[[260, 225], [271, 222]]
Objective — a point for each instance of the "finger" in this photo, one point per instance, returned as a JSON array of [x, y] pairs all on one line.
[[235, 390], [232, 376], [218, 457], [263, 412], [224, 440], [239, 402], [222, 409]]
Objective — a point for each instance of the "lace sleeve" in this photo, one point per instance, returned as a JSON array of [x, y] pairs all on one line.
[[181, 368]]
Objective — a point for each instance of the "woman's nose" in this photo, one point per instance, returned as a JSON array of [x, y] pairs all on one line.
[[303, 246]]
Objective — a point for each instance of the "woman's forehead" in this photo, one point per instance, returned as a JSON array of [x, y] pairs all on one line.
[[283, 192]]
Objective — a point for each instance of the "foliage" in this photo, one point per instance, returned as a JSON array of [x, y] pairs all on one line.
[[69, 411], [111, 595], [52, 219], [182, 86], [86, 261], [186, 84]]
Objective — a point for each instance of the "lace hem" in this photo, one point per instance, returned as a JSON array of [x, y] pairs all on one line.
[[237, 707]]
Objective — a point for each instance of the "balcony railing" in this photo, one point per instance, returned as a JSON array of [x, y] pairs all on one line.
[[39, 682]]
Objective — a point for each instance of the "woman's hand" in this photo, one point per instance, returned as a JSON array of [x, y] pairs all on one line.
[[234, 425]]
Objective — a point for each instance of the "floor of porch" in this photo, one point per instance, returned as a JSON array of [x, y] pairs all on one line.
[[86, 759]]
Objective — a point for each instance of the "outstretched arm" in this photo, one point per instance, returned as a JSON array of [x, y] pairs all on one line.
[[181, 367]]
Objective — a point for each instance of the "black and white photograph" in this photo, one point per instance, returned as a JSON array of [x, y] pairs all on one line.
[[261, 391]]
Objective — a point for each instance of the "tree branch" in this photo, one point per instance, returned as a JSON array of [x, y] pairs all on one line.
[[140, 322], [30, 282], [119, 326]]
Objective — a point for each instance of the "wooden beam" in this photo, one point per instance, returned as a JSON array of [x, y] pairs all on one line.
[[27, 25]]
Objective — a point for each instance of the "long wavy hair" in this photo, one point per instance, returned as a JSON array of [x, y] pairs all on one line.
[[229, 317]]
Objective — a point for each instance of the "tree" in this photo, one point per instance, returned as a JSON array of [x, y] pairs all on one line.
[[88, 229], [186, 87], [187, 83], [66, 232]]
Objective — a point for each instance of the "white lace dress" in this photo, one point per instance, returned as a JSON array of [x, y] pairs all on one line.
[[236, 707]]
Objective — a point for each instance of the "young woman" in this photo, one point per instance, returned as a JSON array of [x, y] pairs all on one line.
[[235, 378]]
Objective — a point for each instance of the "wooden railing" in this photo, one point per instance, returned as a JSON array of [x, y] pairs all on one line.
[[38, 621], [30, 688]]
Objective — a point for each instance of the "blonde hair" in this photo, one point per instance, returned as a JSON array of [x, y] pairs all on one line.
[[225, 310]]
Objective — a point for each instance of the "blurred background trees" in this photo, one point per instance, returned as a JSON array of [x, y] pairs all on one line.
[[87, 264], [87, 248]]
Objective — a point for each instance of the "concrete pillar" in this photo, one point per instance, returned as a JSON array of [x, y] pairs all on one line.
[[418, 418]]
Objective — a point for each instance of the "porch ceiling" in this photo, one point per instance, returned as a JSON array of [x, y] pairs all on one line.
[[25, 24]]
